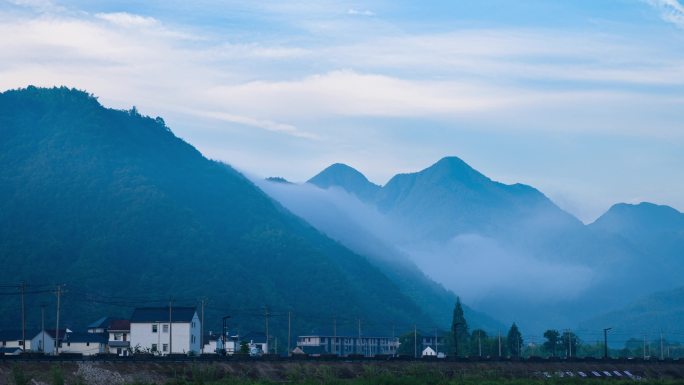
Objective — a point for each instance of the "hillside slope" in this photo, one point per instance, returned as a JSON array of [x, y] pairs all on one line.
[[122, 211]]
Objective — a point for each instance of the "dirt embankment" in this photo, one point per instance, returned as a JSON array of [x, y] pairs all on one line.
[[121, 373]]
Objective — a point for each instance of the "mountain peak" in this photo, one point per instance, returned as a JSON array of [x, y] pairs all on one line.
[[454, 168], [348, 178], [623, 217]]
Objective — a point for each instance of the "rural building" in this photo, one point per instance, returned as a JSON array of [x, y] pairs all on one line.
[[87, 344], [345, 344], [119, 337], [164, 330], [13, 339]]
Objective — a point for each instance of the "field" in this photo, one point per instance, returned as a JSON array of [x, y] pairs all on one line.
[[343, 373]]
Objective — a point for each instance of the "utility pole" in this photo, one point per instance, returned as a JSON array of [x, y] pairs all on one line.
[[662, 355], [267, 339], [59, 293], [415, 341], [42, 326], [499, 343], [202, 329], [289, 333], [360, 334], [335, 335], [170, 327], [224, 338], [23, 317], [479, 342], [644, 346], [605, 342]]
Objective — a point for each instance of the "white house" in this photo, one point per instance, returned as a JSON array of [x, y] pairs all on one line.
[[44, 341], [119, 341], [212, 343], [13, 339], [428, 352], [87, 344], [162, 330]]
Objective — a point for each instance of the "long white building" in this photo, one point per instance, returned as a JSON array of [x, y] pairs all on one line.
[[163, 331]]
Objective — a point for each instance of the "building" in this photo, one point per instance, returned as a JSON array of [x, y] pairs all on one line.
[[10, 351], [345, 345], [44, 341], [164, 330], [428, 352], [212, 343], [119, 337], [87, 344], [256, 341], [14, 339]]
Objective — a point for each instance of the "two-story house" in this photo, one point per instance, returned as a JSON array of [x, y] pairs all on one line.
[[164, 330]]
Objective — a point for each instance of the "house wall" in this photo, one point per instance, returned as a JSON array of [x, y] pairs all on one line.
[[182, 341], [85, 348], [49, 343], [16, 344]]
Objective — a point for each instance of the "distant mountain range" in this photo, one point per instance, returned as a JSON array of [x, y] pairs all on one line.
[[511, 251], [126, 214]]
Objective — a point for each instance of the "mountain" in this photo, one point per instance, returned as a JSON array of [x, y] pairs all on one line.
[[348, 178], [655, 231], [343, 217], [661, 312], [126, 214], [509, 251], [450, 197]]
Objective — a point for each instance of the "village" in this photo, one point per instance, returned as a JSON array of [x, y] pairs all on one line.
[[163, 331]]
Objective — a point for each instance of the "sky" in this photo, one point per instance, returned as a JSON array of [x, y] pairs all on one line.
[[583, 99]]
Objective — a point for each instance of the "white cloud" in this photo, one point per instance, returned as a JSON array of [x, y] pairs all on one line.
[[125, 19], [670, 10], [360, 12]]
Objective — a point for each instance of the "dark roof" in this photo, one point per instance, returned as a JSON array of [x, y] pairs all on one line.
[[9, 350], [211, 337], [102, 323], [15, 335], [161, 314], [86, 337], [120, 325]]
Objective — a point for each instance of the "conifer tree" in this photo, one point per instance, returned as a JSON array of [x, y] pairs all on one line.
[[459, 330], [514, 341]]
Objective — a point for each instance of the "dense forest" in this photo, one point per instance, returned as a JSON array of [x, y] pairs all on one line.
[[123, 213]]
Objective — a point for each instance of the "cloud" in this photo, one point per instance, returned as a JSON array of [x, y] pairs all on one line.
[[671, 11], [360, 12], [248, 121], [125, 19]]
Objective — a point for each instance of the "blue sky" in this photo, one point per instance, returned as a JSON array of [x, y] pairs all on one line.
[[583, 99]]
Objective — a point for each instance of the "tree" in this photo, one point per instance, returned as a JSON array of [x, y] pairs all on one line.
[[244, 348], [570, 343], [552, 339], [514, 341], [479, 343], [407, 346], [459, 330]]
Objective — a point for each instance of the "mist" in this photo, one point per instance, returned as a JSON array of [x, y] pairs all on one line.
[[484, 273]]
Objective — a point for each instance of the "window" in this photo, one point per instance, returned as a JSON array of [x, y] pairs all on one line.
[[87, 343], [193, 324], [165, 328], [165, 347], [154, 328], [117, 336], [154, 347], [192, 339], [21, 343]]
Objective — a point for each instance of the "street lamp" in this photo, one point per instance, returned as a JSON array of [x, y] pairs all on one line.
[[605, 342]]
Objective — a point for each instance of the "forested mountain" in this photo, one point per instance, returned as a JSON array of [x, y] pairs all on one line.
[[650, 315], [123, 212], [348, 178]]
